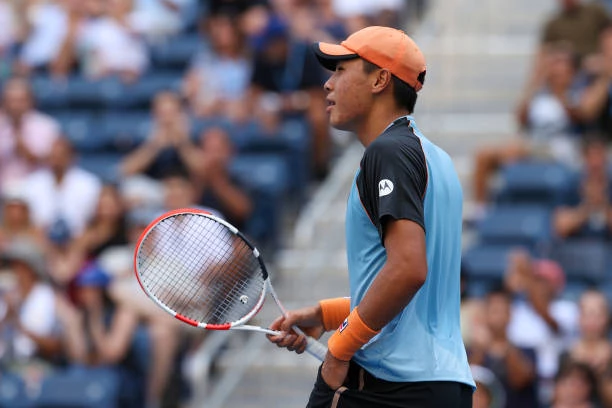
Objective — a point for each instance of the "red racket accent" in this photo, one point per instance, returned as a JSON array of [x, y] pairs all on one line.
[[219, 326], [186, 320]]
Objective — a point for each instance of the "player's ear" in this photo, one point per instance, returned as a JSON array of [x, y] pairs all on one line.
[[382, 79]]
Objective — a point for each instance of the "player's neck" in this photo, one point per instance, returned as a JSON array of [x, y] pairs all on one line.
[[379, 118]]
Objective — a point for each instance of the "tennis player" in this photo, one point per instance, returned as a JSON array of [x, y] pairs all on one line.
[[397, 340]]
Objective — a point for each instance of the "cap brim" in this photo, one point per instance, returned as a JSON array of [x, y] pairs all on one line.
[[329, 54]]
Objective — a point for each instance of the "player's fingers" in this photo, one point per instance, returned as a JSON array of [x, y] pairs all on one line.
[[301, 345], [287, 341], [290, 320], [277, 323]]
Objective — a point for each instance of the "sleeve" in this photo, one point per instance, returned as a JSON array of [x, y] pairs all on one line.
[[394, 182]]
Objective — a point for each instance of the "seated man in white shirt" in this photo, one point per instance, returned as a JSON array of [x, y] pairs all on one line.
[[26, 135], [541, 320], [28, 314], [62, 195]]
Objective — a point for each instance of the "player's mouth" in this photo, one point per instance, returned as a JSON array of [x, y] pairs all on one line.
[[330, 104]]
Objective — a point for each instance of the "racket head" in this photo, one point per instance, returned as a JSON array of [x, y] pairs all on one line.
[[200, 269]]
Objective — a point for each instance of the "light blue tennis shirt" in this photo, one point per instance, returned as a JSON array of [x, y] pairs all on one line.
[[405, 176]]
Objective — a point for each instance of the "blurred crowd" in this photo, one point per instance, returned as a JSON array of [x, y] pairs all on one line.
[[537, 278], [114, 111]]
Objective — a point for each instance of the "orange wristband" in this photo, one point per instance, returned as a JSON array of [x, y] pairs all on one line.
[[350, 336], [334, 311]]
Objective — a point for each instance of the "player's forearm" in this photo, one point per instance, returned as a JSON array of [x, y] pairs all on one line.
[[391, 291], [139, 160]]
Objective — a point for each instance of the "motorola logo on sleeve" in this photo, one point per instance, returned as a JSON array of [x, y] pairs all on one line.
[[385, 187]]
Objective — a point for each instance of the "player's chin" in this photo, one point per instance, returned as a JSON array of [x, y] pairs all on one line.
[[338, 123]]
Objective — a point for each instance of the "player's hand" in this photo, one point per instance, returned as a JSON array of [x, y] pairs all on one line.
[[334, 371], [308, 319]]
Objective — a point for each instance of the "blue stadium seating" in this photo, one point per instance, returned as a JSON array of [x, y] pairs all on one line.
[[50, 94], [516, 225], [86, 388], [536, 182], [584, 261], [104, 165], [124, 131], [266, 177], [83, 130], [13, 392], [139, 95], [176, 53], [484, 266]]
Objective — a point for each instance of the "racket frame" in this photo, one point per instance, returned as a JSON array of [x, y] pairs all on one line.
[[315, 348]]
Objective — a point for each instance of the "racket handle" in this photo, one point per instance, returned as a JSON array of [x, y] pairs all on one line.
[[313, 347]]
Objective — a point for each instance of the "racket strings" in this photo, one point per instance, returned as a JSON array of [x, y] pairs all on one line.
[[196, 267]]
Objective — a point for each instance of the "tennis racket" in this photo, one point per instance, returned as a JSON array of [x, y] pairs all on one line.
[[205, 273]]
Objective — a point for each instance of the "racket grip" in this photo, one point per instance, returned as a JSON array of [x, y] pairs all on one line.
[[315, 349]]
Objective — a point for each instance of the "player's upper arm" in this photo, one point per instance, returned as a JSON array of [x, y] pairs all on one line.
[[405, 247], [394, 181]]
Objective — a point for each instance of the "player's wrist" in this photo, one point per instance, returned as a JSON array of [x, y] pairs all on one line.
[[334, 311], [350, 337]]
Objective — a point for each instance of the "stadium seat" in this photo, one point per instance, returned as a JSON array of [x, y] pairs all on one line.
[[140, 94], [83, 130], [84, 388], [176, 53], [13, 392], [266, 177], [104, 165], [535, 182], [85, 93], [583, 260], [50, 94], [516, 225], [125, 131], [486, 262]]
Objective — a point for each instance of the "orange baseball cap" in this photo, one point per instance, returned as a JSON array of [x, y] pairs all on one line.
[[385, 47]]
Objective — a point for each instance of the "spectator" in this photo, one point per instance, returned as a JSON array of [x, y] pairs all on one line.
[[107, 228], [287, 81], [106, 45], [48, 24], [159, 19], [219, 77], [541, 320], [16, 222], [578, 23], [595, 104], [216, 187], [163, 330], [62, 196], [513, 366], [180, 192], [9, 33], [593, 348], [592, 217], [168, 146], [106, 334], [574, 387], [29, 318], [26, 135], [548, 116]]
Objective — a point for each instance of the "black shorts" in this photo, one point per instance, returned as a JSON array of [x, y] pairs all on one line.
[[363, 390]]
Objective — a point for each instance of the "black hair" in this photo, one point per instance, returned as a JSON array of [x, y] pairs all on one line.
[[405, 95]]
